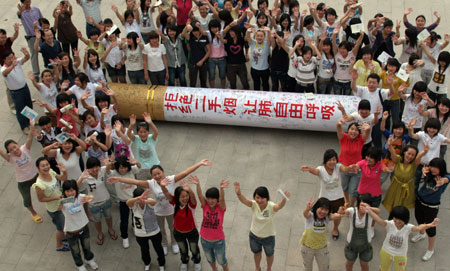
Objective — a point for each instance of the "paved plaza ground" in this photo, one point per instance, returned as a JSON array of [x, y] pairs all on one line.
[[252, 156]]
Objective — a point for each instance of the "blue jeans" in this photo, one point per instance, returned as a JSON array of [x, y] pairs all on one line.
[[185, 238], [157, 78], [181, 72], [257, 244], [221, 64], [342, 88], [137, 77], [215, 250], [324, 86], [74, 240], [97, 209], [350, 182], [21, 98], [278, 77], [57, 219]]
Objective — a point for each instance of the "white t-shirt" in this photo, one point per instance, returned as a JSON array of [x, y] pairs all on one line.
[[204, 21], [95, 76], [414, 76], [439, 80], [146, 21], [107, 117], [134, 61], [78, 92], [48, 94], [343, 66], [373, 97], [361, 120], [292, 71], [96, 187], [325, 67], [396, 241], [115, 55], [163, 206], [330, 185], [360, 224], [72, 164], [407, 50], [411, 111], [144, 221], [133, 27], [435, 145], [15, 79], [435, 53], [74, 214], [154, 57], [125, 191]]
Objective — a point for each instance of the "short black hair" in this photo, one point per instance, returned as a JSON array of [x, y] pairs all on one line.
[[39, 160], [320, 203], [387, 23], [93, 32], [364, 105], [122, 161], [374, 153], [328, 155], [7, 53], [366, 50], [212, 193], [138, 191], [400, 212], [440, 164], [93, 162], [262, 191], [366, 198], [374, 76], [69, 184], [44, 120], [432, 123], [420, 86]]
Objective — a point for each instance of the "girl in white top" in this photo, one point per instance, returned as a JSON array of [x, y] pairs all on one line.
[[326, 67], [82, 86], [93, 179], [414, 68], [439, 78], [126, 168], [155, 61], [442, 113], [93, 66], [47, 88], [134, 61], [395, 245], [292, 70], [130, 19], [409, 42], [163, 209], [262, 230], [146, 19], [330, 185], [145, 226], [75, 224], [289, 29], [429, 52], [306, 65], [417, 99], [114, 57]]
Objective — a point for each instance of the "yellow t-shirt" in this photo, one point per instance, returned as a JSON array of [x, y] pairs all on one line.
[[51, 189], [99, 49], [397, 83], [363, 71], [262, 221], [315, 234]]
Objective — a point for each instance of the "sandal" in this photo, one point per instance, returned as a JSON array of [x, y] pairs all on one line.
[[113, 235], [99, 240], [37, 218], [335, 236]]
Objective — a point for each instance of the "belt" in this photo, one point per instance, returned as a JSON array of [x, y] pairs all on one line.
[[219, 58], [29, 37], [405, 188], [324, 79], [343, 81], [304, 84], [427, 205]]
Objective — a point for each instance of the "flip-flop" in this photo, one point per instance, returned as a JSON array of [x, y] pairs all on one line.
[[99, 240], [37, 218], [335, 236], [64, 248], [113, 236]]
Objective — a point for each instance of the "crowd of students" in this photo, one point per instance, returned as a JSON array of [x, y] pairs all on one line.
[[88, 161]]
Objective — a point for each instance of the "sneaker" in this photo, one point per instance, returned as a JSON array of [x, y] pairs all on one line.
[[147, 268], [165, 250], [64, 248], [428, 255], [82, 268], [92, 264], [162, 268], [26, 130], [125, 243], [184, 267], [175, 249], [198, 267], [416, 238]]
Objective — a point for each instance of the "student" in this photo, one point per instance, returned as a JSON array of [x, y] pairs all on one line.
[[145, 144], [120, 142], [330, 187], [145, 226], [82, 86], [67, 32], [20, 158], [371, 168], [15, 81], [314, 239], [331, 23], [47, 89], [127, 168], [130, 19], [260, 51], [292, 71], [383, 38], [155, 61], [176, 60], [262, 230], [441, 112], [76, 224], [211, 231], [401, 189], [413, 67], [103, 109], [365, 66], [429, 52], [280, 62], [351, 144], [93, 180], [163, 209], [95, 36], [68, 68], [218, 54], [395, 245], [325, 73], [400, 139], [93, 65], [360, 234], [49, 192], [393, 104], [184, 227], [420, 21], [429, 190], [413, 102], [146, 22], [47, 136], [96, 144], [114, 57], [6, 44], [290, 29], [200, 50], [306, 66], [90, 123], [439, 80], [134, 61], [91, 8], [234, 45], [410, 44]]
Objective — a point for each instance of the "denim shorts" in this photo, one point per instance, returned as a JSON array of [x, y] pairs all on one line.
[[57, 219], [221, 63], [97, 209], [257, 243], [214, 250]]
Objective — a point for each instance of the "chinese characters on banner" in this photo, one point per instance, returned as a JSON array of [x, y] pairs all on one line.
[[255, 108]]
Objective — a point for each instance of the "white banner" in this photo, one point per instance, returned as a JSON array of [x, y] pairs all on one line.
[[256, 108]]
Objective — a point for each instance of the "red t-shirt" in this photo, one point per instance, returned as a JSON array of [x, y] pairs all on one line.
[[69, 119], [183, 11], [350, 150], [370, 178], [184, 222]]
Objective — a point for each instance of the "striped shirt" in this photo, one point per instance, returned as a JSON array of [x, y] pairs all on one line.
[[305, 70]]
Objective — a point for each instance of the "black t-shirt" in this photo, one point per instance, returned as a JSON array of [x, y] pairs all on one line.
[[351, 38], [235, 51], [280, 60], [198, 48], [50, 52], [5, 47]]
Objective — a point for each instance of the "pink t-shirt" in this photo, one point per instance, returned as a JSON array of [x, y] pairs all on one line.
[[370, 178], [212, 223], [25, 168]]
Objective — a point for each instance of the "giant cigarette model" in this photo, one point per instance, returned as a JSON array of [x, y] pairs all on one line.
[[233, 107]]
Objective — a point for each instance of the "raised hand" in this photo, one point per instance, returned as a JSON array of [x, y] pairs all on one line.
[[385, 115], [164, 182], [310, 203], [107, 130], [193, 180], [147, 117], [224, 183], [132, 119], [62, 167], [206, 162], [112, 180], [237, 187], [305, 168]]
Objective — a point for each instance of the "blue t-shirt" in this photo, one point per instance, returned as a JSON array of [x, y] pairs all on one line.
[[49, 52], [387, 134], [260, 55], [146, 152], [427, 191]]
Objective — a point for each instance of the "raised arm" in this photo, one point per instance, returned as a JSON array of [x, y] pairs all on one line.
[[421, 154], [148, 120], [131, 127], [423, 227], [119, 16], [141, 183], [308, 208], [374, 216], [278, 206], [191, 169], [358, 43], [196, 181], [340, 131], [242, 198], [313, 171], [410, 128]]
